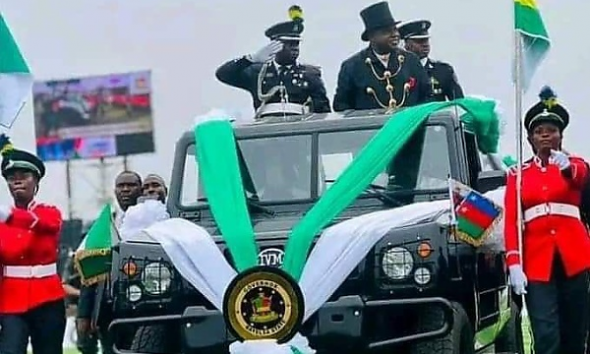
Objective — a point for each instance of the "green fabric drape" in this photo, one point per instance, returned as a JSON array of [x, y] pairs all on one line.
[[481, 119], [219, 169]]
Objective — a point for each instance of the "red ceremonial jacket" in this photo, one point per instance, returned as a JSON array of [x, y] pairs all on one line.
[[30, 237], [548, 198]]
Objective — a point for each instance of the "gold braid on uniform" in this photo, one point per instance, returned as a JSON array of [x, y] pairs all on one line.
[[387, 76], [264, 97]]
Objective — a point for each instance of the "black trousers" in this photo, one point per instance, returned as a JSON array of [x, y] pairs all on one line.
[[87, 344], [45, 325], [558, 311]]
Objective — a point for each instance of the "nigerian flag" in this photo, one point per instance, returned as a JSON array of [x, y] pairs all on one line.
[[16, 81], [535, 40], [93, 256]]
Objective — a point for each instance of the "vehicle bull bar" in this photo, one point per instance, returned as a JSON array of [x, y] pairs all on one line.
[[349, 309]]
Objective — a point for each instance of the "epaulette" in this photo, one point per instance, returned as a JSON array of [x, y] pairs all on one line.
[[439, 62], [312, 69]]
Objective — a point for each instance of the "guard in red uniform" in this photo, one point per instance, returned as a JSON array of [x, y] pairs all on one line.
[[556, 245], [31, 294]]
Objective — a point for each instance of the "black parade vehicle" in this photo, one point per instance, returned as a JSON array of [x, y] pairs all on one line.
[[419, 290]]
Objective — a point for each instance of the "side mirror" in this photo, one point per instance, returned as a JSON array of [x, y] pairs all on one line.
[[490, 180]]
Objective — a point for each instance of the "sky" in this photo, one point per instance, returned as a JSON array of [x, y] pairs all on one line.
[[184, 41]]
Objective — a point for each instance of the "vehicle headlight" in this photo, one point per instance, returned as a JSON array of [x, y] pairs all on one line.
[[134, 293], [397, 263], [422, 276], [156, 278]]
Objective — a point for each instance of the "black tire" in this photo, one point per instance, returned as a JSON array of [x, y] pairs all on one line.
[[459, 341], [151, 339], [510, 338]]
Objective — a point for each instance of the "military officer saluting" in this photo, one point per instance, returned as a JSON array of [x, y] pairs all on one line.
[[443, 79], [279, 85], [382, 75]]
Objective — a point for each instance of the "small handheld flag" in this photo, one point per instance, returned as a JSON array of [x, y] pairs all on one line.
[[475, 214], [93, 256]]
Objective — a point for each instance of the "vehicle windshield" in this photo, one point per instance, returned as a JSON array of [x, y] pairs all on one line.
[[279, 169], [422, 164], [275, 169]]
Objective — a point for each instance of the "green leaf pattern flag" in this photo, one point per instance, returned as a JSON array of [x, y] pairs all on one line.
[[16, 81], [339, 249], [93, 256]]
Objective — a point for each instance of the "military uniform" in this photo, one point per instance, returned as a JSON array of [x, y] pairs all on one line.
[[31, 292], [278, 89], [556, 246], [443, 80], [368, 80]]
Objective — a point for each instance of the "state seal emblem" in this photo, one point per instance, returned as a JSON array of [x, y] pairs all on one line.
[[263, 303]]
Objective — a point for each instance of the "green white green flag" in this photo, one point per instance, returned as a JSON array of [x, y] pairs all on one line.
[[16, 81], [535, 40], [93, 257]]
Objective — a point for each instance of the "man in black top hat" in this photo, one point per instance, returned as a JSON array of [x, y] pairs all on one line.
[[444, 82], [278, 83], [382, 75]]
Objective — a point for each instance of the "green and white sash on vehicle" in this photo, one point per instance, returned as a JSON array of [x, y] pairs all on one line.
[[340, 248]]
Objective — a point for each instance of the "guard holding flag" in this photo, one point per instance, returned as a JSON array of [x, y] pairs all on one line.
[[279, 85], [556, 245], [31, 294]]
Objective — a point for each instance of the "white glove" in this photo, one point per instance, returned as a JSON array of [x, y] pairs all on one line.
[[267, 52], [5, 212], [517, 279], [560, 159]]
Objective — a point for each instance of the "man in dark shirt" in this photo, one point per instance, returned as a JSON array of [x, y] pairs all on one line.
[[382, 75], [93, 306], [278, 83], [444, 82]]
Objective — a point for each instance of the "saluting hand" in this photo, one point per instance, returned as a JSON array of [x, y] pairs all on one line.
[[267, 52], [5, 212], [560, 159], [518, 279]]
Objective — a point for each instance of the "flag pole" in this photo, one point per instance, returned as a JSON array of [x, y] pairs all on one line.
[[518, 93]]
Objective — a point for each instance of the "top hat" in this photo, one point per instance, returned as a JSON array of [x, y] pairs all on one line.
[[375, 17], [415, 29], [547, 110]]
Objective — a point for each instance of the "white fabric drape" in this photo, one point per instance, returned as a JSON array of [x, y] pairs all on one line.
[[196, 257], [338, 251]]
